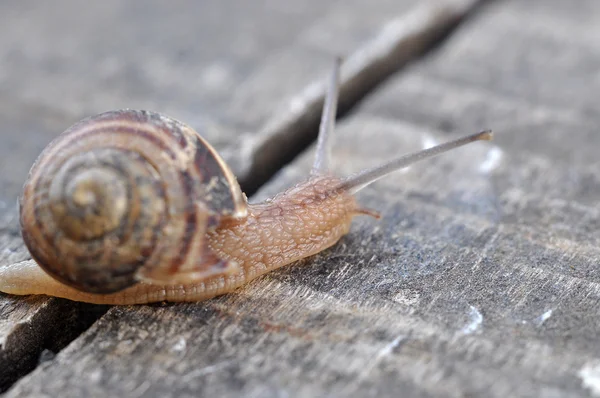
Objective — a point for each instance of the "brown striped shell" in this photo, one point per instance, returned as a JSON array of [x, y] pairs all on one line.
[[126, 196]]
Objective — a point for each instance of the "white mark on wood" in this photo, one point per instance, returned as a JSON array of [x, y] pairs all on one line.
[[140, 390], [475, 321], [429, 142], [205, 371], [492, 160], [300, 103], [590, 377], [407, 297], [382, 353], [95, 376], [180, 345], [387, 350], [539, 321]]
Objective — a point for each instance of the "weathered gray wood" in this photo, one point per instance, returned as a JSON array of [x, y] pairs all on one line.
[[480, 280], [34, 328], [76, 59], [291, 125], [188, 65]]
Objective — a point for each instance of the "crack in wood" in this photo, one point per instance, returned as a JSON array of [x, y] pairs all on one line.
[[401, 41]]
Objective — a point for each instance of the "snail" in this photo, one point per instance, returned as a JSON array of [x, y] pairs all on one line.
[[131, 207]]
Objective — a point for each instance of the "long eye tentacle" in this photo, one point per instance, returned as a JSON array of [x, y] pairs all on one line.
[[323, 152], [356, 182]]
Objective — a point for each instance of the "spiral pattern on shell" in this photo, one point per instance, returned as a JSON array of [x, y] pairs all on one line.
[[121, 192]]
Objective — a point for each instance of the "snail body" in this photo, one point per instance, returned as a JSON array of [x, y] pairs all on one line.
[[134, 207], [272, 235]]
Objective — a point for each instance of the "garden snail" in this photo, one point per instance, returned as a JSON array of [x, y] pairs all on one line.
[[134, 207]]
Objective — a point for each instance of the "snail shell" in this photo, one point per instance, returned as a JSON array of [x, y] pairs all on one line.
[[126, 196]]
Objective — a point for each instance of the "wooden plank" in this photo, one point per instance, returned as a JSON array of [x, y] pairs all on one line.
[[481, 278], [109, 74], [505, 239], [290, 126], [374, 21], [66, 66]]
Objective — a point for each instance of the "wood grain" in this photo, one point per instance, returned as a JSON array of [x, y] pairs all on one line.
[[481, 279], [75, 60]]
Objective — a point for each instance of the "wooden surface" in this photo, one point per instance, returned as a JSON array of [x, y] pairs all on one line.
[[482, 277], [185, 72]]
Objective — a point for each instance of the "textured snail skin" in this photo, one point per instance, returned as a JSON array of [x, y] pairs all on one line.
[[295, 224]]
